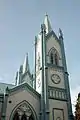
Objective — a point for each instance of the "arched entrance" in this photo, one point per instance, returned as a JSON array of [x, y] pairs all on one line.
[[23, 111]]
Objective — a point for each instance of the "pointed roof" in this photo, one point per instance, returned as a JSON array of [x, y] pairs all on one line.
[[26, 64], [47, 24]]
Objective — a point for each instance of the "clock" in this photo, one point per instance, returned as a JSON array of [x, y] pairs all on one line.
[[55, 78]]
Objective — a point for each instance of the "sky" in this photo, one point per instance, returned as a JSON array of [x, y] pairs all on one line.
[[20, 21]]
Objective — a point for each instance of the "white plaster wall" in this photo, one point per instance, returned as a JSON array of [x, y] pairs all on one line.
[[19, 97], [61, 75], [38, 49], [59, 105], [38, 73], [39, 83], [52, 42]]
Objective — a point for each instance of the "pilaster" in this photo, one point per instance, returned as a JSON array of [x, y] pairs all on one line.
[[4, 106], [35, 62], [42, 70], [46, 82], [70, 115]]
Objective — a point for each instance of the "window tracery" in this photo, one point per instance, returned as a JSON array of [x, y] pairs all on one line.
[[23, 112], [24, 117], [16, 116], [53, 56]]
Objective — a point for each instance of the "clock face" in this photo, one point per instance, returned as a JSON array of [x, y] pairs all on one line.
[[55, 78]]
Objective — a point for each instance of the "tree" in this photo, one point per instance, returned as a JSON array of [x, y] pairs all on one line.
[[77, 108]]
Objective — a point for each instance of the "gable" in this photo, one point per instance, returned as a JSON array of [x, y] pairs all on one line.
[[53, 42], [19, 94], [24, 87]]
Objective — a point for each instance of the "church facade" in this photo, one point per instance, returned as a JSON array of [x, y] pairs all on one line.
[[46, 94]]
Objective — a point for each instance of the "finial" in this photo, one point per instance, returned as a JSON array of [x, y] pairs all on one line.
[[27, 54], [16, 78], [46, 14], [16, 75], [21, 69], [60, 33], [26, 64], [35, 39]]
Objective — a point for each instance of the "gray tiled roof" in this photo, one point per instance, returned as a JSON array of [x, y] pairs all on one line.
[[3, 86]]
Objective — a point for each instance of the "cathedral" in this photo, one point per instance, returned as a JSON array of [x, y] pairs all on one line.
[[44, 95]]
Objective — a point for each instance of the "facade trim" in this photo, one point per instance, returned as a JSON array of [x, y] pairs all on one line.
[[25, 86]]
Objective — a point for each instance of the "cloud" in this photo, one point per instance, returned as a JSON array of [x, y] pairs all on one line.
[[74, 95]]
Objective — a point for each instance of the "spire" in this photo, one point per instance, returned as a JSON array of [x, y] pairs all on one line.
[[26, 64], [16, 78], [47, 24]]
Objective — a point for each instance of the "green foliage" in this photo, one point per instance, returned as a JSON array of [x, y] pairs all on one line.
[[77, 108]]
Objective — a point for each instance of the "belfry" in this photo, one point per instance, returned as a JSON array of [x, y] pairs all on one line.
[[45, 94]]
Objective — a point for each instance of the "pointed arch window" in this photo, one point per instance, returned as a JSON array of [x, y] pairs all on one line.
[[31, 117], [56, 59], [24, 117], [53, 56], [16, 116], [24, 112]]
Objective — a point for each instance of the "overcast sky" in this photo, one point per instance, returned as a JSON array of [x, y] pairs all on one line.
[[20, 21]]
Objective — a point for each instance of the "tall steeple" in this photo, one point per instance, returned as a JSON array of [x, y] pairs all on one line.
[[47, 24], [26, 64]]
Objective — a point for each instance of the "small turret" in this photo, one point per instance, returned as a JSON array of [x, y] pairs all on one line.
[[26, 64], [60, 34], [16, 78], [20, 73]]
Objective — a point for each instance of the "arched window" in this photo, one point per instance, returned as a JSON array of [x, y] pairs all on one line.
[[56, 59], [16, 116], [24, 117], [24, 111], [53, 56], [31, 117]]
